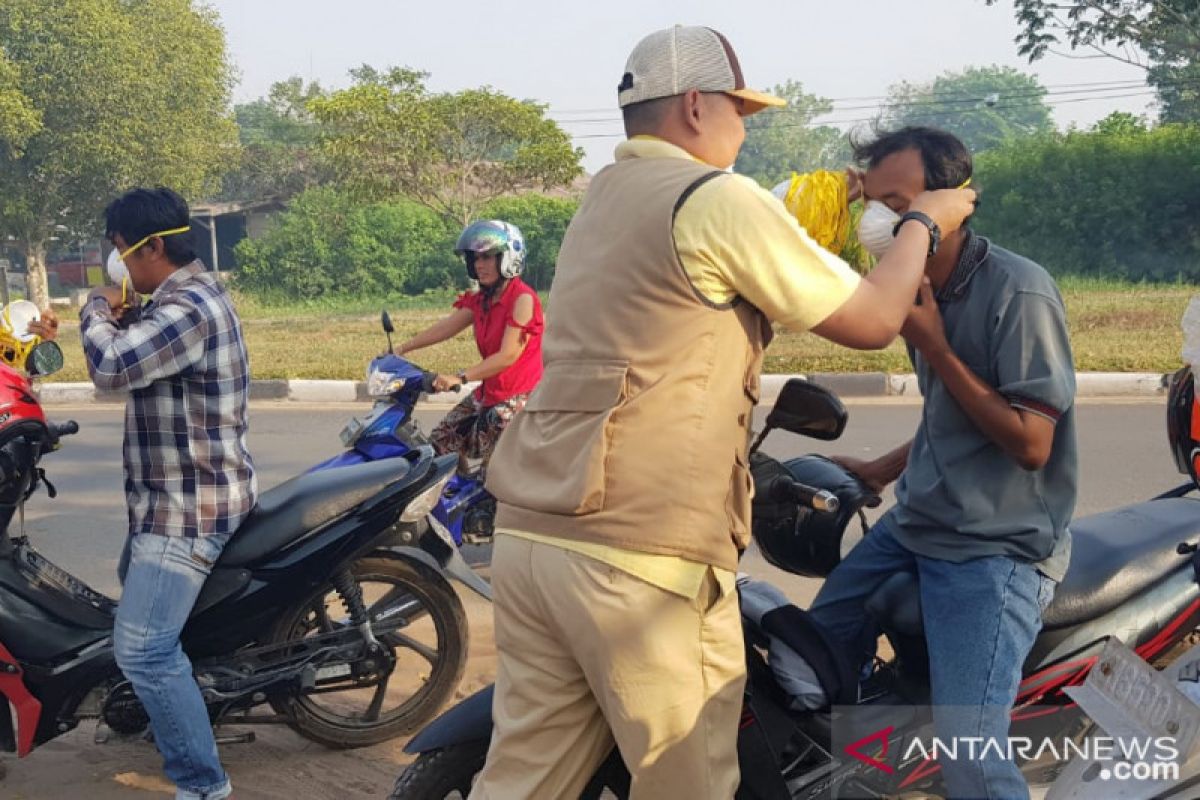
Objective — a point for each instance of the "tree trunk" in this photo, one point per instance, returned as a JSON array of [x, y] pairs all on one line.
[[37, 287]]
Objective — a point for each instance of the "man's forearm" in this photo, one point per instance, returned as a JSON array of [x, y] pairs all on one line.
[[893, 464], [991, 413]]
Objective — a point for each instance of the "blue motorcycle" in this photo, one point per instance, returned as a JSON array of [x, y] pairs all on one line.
[[466, 509]]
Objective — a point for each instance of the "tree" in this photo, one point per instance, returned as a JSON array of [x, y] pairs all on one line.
[[983, 106], [279, 144], [327, 243], [786, 140], [1120, 123], [388, 136], [1159, 36], [124, 92]]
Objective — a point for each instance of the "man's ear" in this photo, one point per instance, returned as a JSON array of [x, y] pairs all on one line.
[[692, 109], [156, 247]]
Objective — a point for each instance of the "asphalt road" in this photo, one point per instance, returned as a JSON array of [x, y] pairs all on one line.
[[1124, 459], [1123, 453]]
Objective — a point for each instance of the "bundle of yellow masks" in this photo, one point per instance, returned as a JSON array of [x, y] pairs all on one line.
[[819, 201]]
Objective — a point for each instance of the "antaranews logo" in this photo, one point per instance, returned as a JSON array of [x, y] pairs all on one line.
[[881, 737], [1118, 759]]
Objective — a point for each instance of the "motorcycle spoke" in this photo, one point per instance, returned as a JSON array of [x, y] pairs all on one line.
[[395, 594], [372, 712], [426, 652], [324, 623]]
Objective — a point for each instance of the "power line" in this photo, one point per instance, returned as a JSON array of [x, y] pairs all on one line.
[[1130, 83], [1091, 94], [860, 120]]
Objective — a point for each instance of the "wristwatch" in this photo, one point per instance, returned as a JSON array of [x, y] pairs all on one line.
[[935, 233], [462, 377]]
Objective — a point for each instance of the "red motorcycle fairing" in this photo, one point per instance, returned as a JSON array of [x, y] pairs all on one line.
[[29, 710]]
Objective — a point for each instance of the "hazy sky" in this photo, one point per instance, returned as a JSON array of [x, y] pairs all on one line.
[[570, 54]]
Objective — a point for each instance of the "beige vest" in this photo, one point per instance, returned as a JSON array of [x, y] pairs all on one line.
[[637, 435]]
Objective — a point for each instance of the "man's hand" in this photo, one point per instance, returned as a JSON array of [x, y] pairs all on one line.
[[46, 327], [872, 473], [947, 207], [111, 295], [446, 383], [924, 328]]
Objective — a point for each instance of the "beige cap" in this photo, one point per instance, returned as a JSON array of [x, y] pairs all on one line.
[[675, 60]]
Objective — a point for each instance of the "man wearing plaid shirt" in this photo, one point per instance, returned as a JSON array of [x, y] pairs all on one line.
[[189, 478]]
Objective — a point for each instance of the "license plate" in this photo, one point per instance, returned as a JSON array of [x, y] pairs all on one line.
[[337, 671], [1127, 697], [352, 431]]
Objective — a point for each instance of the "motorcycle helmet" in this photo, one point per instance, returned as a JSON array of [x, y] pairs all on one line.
[[1183, 423], [16, 342], [795, 538], [493, 236]]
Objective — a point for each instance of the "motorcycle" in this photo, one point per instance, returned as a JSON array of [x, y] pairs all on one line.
[[390, 431], [328, 611], [1129, 575]]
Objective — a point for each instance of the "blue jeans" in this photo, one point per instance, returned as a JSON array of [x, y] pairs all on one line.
[[162, 577], [981, 618]]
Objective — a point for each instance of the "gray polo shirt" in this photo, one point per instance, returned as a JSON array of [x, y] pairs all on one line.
[[961, 496]]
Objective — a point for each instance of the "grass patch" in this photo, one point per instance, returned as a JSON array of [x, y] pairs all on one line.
[[1115, 327]]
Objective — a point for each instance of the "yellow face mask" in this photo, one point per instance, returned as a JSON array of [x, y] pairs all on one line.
[[147, 238]]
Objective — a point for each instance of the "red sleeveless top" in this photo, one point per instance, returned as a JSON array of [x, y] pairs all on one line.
[[490, 323]]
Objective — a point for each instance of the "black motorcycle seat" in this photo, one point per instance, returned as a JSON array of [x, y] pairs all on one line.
[[1114, 556], [291, 509], [1119, 554]]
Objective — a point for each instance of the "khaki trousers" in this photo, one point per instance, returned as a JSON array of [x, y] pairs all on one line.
[[589, 654]]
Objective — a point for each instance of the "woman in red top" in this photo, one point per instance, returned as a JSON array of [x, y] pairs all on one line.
[[507, 318]]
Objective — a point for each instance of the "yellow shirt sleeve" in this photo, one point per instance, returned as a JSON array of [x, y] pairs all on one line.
[[735, 238]]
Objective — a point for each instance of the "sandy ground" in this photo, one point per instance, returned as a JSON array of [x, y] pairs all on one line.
[[280, 765]]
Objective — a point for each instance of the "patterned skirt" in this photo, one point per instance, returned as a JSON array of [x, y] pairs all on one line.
[[471, 430]]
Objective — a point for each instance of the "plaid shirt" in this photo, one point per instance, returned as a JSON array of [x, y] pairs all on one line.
[[187, 469]]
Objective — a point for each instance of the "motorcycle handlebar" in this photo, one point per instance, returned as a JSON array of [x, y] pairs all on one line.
[[785, 490], [427, 384], [68, 428]]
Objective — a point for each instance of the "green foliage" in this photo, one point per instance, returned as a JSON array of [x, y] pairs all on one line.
[[329, 247], [279, 144], [1161, 36], [1120, 123], [328, 244], [387, 136], [543, 220], [19, 119], [1178, 86], [1120, 204], [782, 141], [107, 94], [983, 106]]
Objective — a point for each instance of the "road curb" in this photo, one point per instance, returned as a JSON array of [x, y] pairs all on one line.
[[848, 384]]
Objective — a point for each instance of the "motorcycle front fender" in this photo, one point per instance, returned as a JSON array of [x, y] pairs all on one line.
[[469, 721], [432, 545]]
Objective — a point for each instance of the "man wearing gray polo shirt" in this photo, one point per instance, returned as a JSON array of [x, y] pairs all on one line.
[[988, 484]]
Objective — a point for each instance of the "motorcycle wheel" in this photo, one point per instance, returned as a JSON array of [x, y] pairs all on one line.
[[449, 772], [429, 654]]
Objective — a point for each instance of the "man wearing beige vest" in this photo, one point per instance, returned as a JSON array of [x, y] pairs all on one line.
[[623, 486]]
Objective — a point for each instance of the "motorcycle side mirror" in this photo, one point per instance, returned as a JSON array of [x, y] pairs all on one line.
[[806, 409], [385, 320], [46, 358]]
